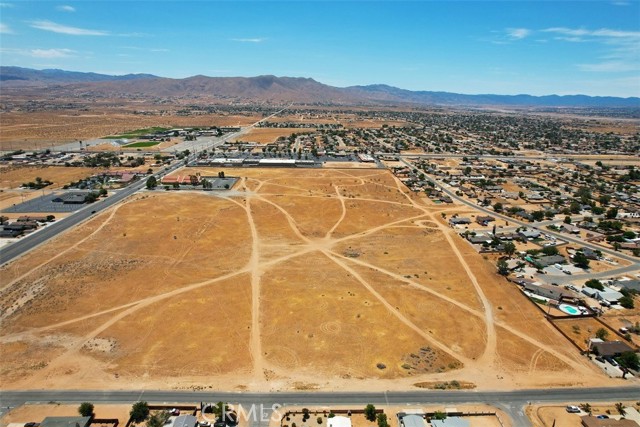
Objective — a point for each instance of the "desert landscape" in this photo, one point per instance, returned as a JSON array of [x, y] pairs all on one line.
[[289, 277]]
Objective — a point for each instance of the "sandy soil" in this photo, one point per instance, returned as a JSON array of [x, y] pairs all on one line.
[[40, 130], [14, 176], [329, 279]]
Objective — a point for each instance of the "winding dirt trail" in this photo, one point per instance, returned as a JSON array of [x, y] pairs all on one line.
[[256, 267]]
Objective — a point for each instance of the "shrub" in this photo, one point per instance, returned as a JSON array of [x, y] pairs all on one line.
[[139, 412], [86, 409]]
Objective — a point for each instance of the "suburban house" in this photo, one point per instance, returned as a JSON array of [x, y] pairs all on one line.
[[591, 421], [484, 220], [548, 291], [459, 221], [547, 260], [630, 285], [70, 199], [529, 234], [339, 421], [479, 239], [185, 421], [609, 348], [451, 422], [411, 420], [66, 422], [568, 228], [608, 295]]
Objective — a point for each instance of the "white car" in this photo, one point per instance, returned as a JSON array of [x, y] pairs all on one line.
[[573, 409]]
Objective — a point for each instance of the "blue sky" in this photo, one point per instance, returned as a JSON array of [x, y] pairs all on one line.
[[504, 47]]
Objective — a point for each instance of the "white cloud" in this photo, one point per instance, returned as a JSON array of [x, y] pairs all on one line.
[[602, 32], [63, 29], [4, 29], [518, 33], [249, 40], [6, 5], [614, 66], [621, 48], [51, 53], [66, 8]]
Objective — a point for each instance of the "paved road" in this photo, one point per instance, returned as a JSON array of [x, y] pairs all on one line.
[[492, 156], [205, 143], [511, 401], [31, 241]]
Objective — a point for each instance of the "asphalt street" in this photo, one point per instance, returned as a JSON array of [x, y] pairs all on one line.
[[27, 243], [513, 402]]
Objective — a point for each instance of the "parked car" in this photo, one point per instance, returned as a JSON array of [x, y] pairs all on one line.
[[174, 411], [573, 409], [602, 417]]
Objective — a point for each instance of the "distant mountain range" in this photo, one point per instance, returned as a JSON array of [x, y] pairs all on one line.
[[281, 89]]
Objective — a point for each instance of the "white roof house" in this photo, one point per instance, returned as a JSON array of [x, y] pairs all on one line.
[[339, 421]]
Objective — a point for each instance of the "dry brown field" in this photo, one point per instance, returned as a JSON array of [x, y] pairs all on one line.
[[294, 279], [40, 130], [12, 177]]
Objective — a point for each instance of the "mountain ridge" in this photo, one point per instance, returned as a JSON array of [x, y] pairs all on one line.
[[285, 89]]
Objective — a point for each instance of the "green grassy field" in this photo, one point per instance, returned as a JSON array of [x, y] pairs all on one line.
[[136, 133], [142, 144]]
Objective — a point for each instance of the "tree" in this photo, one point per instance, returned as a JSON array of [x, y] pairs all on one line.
[[382, 420], [537, 215], [158, 419], [319, 420], [611, 213], [439, 415], [620, 409], [595, 284], [370, 412], [626, 301], [498, 207], [586, 408], [85, 409], [567, 219], [602, 334], [139, 412], [550, 250], [509, 248], [503, 267], [580, 260], [629, 359], [152, 182]]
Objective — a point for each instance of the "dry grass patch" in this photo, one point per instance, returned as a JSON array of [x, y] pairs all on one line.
[[15, 176], [329, 323]]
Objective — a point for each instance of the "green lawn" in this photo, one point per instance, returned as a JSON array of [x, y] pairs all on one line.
[[142, 144], [136, 133]]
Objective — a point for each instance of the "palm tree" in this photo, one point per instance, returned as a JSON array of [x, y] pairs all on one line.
[[620, 409], [586, 408]]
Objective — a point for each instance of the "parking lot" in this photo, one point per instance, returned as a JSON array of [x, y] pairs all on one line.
[[46, 204]]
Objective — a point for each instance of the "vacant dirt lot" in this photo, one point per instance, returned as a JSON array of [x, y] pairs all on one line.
[[315, 278], [40, 130], [13, 177]]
